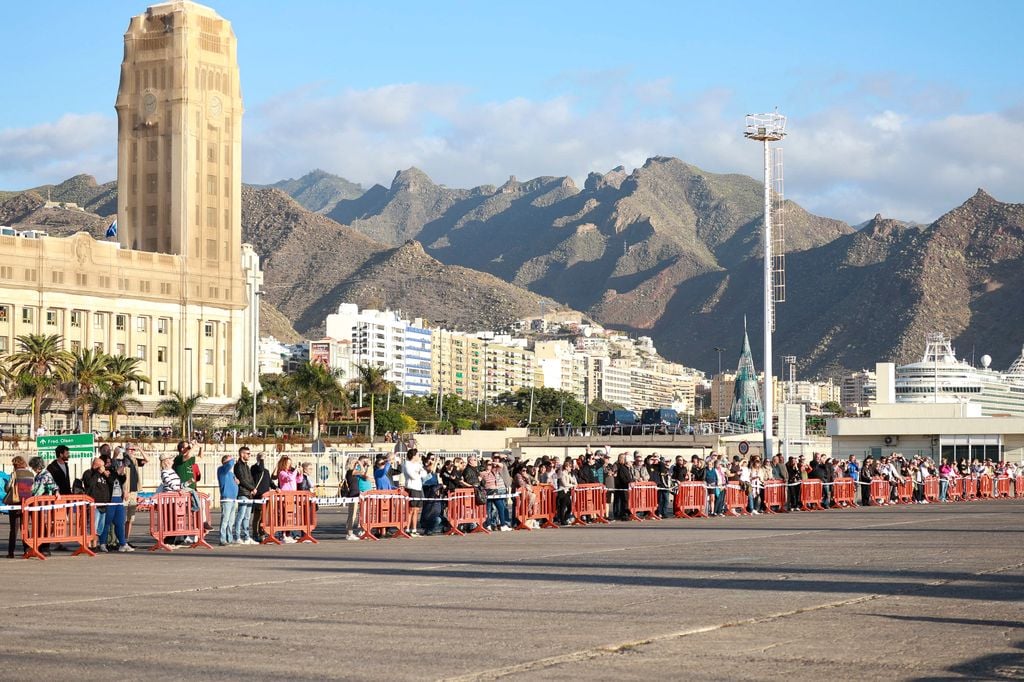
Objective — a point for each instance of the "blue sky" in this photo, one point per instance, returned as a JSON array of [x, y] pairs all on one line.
[[900, 108]]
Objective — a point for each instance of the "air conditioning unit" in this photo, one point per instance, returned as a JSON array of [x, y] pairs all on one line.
[[892, 440]]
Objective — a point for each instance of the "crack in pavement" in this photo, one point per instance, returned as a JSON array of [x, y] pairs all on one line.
[[611, 649]]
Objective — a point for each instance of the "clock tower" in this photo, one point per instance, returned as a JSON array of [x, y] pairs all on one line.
[[179, 116]]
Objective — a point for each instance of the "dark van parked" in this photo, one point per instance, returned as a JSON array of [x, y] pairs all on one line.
[[617, 422]]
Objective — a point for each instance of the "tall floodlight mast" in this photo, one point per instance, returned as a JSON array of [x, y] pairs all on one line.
[[768, 128]]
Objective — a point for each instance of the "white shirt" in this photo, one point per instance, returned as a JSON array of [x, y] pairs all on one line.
[[414, 474]]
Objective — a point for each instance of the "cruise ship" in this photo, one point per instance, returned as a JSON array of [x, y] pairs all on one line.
[[941, 377]]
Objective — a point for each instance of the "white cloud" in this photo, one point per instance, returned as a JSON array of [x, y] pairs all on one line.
[[848, 162], [55, 151]]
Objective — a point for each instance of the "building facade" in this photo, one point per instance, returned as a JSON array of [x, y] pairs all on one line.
[[176, 289]]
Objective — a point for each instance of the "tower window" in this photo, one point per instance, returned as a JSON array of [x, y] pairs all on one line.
[[151, 183], [152, 150], [211, 153], [211, 185]]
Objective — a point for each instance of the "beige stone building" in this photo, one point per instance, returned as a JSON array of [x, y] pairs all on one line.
[[459, 362], [176, 289]]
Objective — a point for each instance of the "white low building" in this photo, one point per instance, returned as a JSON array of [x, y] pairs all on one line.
[[953, 431]]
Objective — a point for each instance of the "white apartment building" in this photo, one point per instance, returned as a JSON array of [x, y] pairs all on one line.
[[562, 368], [377, 337]]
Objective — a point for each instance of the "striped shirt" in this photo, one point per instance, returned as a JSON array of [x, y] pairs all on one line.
[[170, 480]]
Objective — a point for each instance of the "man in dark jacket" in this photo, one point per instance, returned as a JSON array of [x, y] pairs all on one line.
[[261, 480], [58, 468], [623, 477], [793, 478], [246, 486]]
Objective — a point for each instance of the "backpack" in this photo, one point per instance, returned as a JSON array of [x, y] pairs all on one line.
[[78, 487], [481, 494]]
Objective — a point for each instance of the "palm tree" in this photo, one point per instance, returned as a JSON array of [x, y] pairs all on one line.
[[319, 391], [41, 362], [180, 407], [123, 371], [89, 377], [373, 380], [116, 399]]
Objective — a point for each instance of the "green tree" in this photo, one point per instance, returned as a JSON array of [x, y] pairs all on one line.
[[832, 407], [90, 376], [549, 404], [319, 391], [115, 395], [395, 420], [116, 399], [179, 407], [40, 364], [373, 380]]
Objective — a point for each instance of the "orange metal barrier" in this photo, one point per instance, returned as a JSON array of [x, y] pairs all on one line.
[[1002, 486], [50, 519], [774, 495], [879, 491], [171, 515], [1018, 486], [954, 490], [985, 490], [691, 499], [843, 490], [970, 487], [543, 508], [810, 494], [736, 500], [288, 510], [462, 508], [931, 489], [383, 509], [590, 500], [905, 491], [643, 499]]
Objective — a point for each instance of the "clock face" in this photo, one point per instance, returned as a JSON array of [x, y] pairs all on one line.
[[215, 108], [149, 103]]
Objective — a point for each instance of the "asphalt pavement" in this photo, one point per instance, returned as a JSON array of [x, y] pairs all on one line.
[[901, 593]]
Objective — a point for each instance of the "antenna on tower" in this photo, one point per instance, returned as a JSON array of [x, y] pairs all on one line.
[[766, 129]]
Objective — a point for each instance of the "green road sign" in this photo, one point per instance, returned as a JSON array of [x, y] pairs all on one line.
[[79, 444]]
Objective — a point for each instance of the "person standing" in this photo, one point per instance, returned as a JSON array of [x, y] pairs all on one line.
[[228, 483], [496, 492], [132, 460], [261, 479], [414, 475], [116, 478], [58, 469], [97, 486], [360, 480], [243, 499], [19, 489]]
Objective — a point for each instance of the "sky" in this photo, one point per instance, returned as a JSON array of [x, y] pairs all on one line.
[[898, 108]]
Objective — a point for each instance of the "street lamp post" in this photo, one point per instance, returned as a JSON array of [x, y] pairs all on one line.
[[255, 351]]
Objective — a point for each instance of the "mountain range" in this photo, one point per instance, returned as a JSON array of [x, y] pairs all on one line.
[[666, 250]]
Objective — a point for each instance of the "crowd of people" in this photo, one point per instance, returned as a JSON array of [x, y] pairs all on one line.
[[114, 482]]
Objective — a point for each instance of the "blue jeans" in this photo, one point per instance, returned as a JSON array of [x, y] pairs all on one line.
[[943, 489], [228, 510], [243, 521], [664, 504], [101, 525], [498, 510], [113, 515]]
